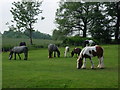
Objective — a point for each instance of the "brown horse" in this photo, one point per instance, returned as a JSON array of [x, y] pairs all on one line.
[[75, 51]]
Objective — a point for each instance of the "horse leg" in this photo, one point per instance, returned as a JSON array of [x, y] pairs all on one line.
[[68, 54], [78, 54], [19, 56], [14, 56], [25, 55], [65, 54], [84, 64], [54, 54], [101, 63], [72, 54], [92, 64], [50, 54]]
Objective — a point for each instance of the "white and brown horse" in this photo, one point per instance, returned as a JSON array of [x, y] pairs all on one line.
[[89, 52]]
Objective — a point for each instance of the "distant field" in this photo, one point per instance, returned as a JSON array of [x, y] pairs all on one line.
[[15, 42], [41, 72]]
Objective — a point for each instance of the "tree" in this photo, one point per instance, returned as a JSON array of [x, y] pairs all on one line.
[[24, 14], [113, 10], [75, 17], [97, 19], [101, 28]]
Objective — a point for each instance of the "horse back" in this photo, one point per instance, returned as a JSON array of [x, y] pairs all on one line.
[[20, 49]]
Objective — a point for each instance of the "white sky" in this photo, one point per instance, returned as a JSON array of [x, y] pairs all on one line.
[[45, 26]]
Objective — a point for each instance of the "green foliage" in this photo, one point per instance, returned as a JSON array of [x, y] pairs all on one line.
[[76, 40], [41, 72]]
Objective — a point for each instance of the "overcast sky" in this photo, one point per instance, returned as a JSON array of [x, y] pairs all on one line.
[[45, 26]]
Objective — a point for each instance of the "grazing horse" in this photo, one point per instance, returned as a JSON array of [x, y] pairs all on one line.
[[53, 48], [18, 50], [89, 52], [22, 44], [75, 51], [67, 50], [88, 43]]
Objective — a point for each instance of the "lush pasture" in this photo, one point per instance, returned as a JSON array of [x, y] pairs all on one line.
[[41, 72]]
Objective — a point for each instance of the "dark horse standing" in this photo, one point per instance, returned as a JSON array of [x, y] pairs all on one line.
[[53, 48]]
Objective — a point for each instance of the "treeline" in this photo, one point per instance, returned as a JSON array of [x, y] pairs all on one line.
[[18, 34], [99, 20]]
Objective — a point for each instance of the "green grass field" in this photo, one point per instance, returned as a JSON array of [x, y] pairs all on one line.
[[41, 72]]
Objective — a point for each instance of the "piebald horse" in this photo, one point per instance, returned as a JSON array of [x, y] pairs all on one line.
[[89, 52], [88, 43]]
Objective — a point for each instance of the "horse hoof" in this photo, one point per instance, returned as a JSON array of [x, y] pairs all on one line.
[[78, 68], [49, 57], [102, 68], [84, 68]]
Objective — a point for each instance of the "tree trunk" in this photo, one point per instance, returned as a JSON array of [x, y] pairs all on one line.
[[31, 42], [118, 22], [30, 30], [85, 29]]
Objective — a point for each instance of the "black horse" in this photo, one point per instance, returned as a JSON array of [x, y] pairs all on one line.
[[53, 48], [22, 44], [18, 50]]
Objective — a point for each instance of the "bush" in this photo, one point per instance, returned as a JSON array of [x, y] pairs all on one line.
[[76, 40]]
